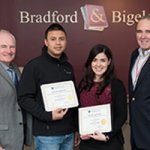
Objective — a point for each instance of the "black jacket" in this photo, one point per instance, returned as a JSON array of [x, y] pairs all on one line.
[[118, 117], [42, 70], [139, 100]]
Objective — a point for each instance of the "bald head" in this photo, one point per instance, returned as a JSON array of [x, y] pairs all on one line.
[[5, 32]]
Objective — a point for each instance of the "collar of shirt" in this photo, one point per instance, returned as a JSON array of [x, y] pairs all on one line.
[[4, 66], [144, 53], [139, 63]]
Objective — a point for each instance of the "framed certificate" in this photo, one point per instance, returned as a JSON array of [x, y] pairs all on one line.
[[94, 118], [59, 95]]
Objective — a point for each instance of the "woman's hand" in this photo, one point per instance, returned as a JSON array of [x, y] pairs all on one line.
[[85, 137], [98, 136]]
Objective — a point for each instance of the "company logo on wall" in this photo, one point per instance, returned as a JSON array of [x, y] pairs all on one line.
[[94, 17]]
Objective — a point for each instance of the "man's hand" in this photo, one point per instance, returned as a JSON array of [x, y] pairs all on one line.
[[59, 113], [1, 148], [76, 139]]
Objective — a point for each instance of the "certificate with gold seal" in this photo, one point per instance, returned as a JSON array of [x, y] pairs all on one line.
[[59, 95], [94, 118]]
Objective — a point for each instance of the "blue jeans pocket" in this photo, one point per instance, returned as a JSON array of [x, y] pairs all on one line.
[[63, 142]]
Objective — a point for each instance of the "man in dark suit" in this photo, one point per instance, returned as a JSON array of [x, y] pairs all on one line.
[[11, 119], [139, 88]]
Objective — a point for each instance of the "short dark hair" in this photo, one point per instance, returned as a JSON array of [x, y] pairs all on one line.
[[54, 27], [145, 17]]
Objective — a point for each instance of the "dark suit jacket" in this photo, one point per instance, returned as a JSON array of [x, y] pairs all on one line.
[[139, 99], [28, 137]]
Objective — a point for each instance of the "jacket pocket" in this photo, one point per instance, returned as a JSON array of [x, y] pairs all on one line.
[[3, 127]]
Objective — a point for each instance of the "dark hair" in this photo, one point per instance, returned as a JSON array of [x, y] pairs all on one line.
[[87, 81], [54, 27]]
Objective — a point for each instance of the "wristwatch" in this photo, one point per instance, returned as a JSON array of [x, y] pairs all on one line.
[[107, 138]]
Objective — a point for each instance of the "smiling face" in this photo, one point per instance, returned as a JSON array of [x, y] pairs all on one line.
[[56, 42], [143, 34], [7, 47], [100, 65]]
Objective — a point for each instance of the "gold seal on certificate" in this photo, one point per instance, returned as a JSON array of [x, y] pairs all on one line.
[[94, 118], [59, 95]]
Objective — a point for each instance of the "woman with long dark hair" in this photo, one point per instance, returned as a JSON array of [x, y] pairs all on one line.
[[99, 86]]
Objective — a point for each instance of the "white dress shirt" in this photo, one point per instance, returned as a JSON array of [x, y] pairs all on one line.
[[139, 63]]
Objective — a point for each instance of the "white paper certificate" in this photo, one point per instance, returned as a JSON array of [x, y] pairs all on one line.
[[94, 118], [59, 95]]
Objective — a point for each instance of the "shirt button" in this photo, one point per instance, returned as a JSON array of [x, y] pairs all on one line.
[[133, 98], [20, 123]]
